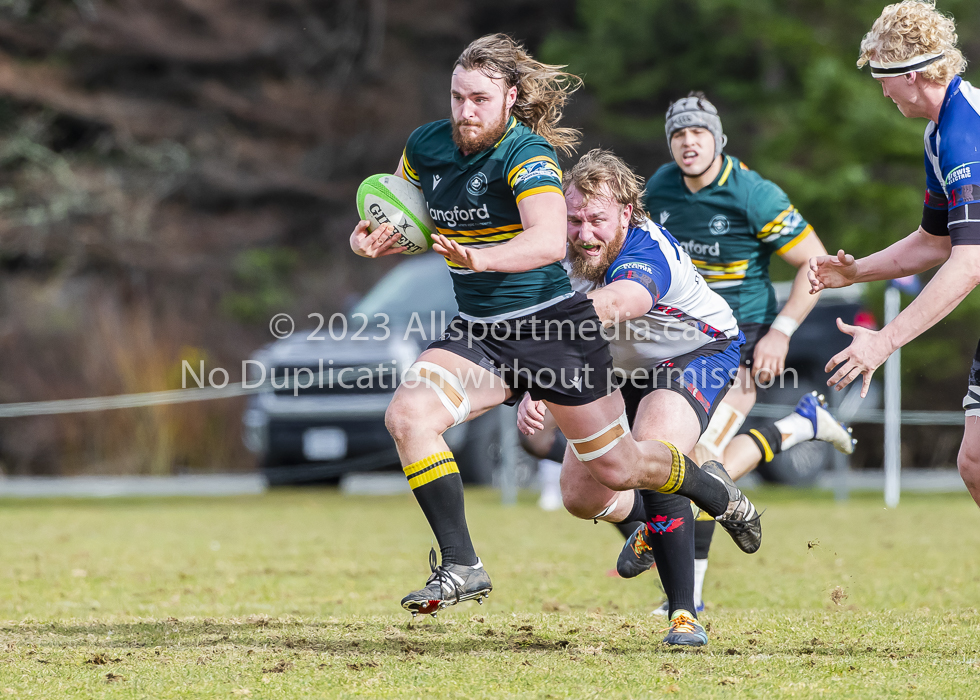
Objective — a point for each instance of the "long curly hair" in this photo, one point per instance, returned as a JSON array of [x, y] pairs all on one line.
[[542, 90], [915, 28], [602, 173]]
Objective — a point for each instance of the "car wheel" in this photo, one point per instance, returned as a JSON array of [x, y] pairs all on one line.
[[798, 466], [480, 456]]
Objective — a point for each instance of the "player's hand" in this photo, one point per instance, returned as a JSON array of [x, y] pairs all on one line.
[[473, 258], [769, 358], [530, 415], [831, 271], [866, 353], [374, 244]]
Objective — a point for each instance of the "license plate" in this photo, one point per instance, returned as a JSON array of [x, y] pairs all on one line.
[[324, 443]]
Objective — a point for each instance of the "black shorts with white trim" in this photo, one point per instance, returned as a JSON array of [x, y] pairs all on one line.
[[558, 353]]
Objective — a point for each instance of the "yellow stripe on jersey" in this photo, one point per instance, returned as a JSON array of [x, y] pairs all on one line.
[[728, 171], [792, 244], [720, 272], [513, 171], [539, 190], [408, 169], [783, 224], [736, 266], [479, 231], [460, 238]]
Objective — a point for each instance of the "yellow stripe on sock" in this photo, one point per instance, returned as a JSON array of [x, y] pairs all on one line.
[[677, 469], [431, 468], [765, 444]]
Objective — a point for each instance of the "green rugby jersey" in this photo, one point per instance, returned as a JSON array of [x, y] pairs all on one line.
[[473, 200], [730, 229]]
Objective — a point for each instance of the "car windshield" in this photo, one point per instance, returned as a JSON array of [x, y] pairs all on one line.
[[420, 284]]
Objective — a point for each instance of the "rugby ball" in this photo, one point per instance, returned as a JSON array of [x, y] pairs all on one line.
[[389, 199]]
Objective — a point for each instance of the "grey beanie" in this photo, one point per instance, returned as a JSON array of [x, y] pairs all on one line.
[[695, 110]]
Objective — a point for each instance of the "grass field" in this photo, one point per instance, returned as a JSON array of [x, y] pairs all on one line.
[[295, 594]]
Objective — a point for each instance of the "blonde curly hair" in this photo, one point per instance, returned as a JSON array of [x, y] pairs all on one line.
[[542, 89], [600, 174], [915, 28]]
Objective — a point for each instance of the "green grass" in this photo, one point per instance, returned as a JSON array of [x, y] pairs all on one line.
[[295, 594]]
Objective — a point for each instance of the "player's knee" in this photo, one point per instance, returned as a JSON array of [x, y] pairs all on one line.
[[397, 420], [577, 506], [968, 464]]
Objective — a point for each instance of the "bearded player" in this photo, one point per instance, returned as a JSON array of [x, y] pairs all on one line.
[[913, 55], [675, 345], [731, 221], [491, 181]]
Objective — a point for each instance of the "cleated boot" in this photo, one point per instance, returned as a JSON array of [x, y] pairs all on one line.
[[637, 554], [685, 630], [826, 428], [664, 608], [448, 585], [740, 519]]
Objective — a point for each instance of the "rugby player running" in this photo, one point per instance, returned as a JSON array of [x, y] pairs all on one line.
[[491, 180], [675, 345], [731, 221], [913, 54]]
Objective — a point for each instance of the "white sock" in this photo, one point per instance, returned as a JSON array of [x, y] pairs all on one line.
[[549, 478], [700, 569], [794, 429]]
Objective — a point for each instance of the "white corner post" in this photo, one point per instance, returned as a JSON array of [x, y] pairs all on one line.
[[893, 408]]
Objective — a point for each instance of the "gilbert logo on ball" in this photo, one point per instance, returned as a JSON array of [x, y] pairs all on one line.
[[389, 199]]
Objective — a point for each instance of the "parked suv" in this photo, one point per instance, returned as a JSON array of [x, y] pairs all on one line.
[[316, 433], [334, 381]]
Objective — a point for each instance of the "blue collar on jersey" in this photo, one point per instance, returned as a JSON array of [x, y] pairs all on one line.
[[951, 90]]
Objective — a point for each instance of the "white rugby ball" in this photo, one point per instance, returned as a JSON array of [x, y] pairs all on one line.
[[389, 199]]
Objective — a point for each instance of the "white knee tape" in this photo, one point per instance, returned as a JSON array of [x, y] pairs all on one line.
[[607, 510], [598, 444], [971, 402], [722, 427], [447, 386]]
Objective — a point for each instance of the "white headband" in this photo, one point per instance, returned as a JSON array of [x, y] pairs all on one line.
[[889, 69]]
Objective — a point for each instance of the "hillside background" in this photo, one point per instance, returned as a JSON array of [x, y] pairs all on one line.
[[173, 173]]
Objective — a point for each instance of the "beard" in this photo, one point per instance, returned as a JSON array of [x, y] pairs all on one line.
[[594, 269], [488, 136]]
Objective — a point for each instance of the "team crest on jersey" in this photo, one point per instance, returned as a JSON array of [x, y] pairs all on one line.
[[719, 225], [477, 184], [537, 170]]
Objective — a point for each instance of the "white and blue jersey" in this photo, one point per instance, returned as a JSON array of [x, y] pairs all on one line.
[[952, 160], [685, 316]]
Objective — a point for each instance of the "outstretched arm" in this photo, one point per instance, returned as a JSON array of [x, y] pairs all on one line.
[[917, 252], [869, 349]]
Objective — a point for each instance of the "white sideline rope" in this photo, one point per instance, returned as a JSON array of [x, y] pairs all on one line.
[[178, 396], [106, 403]]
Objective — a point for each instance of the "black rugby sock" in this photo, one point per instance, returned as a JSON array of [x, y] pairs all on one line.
[[671, 537], [636, 517], [768, 440], [688, 479], [438, 488], [703, 532]]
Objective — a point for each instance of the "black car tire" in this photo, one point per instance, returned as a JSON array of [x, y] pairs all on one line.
[[799, 466], [480, 456]]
